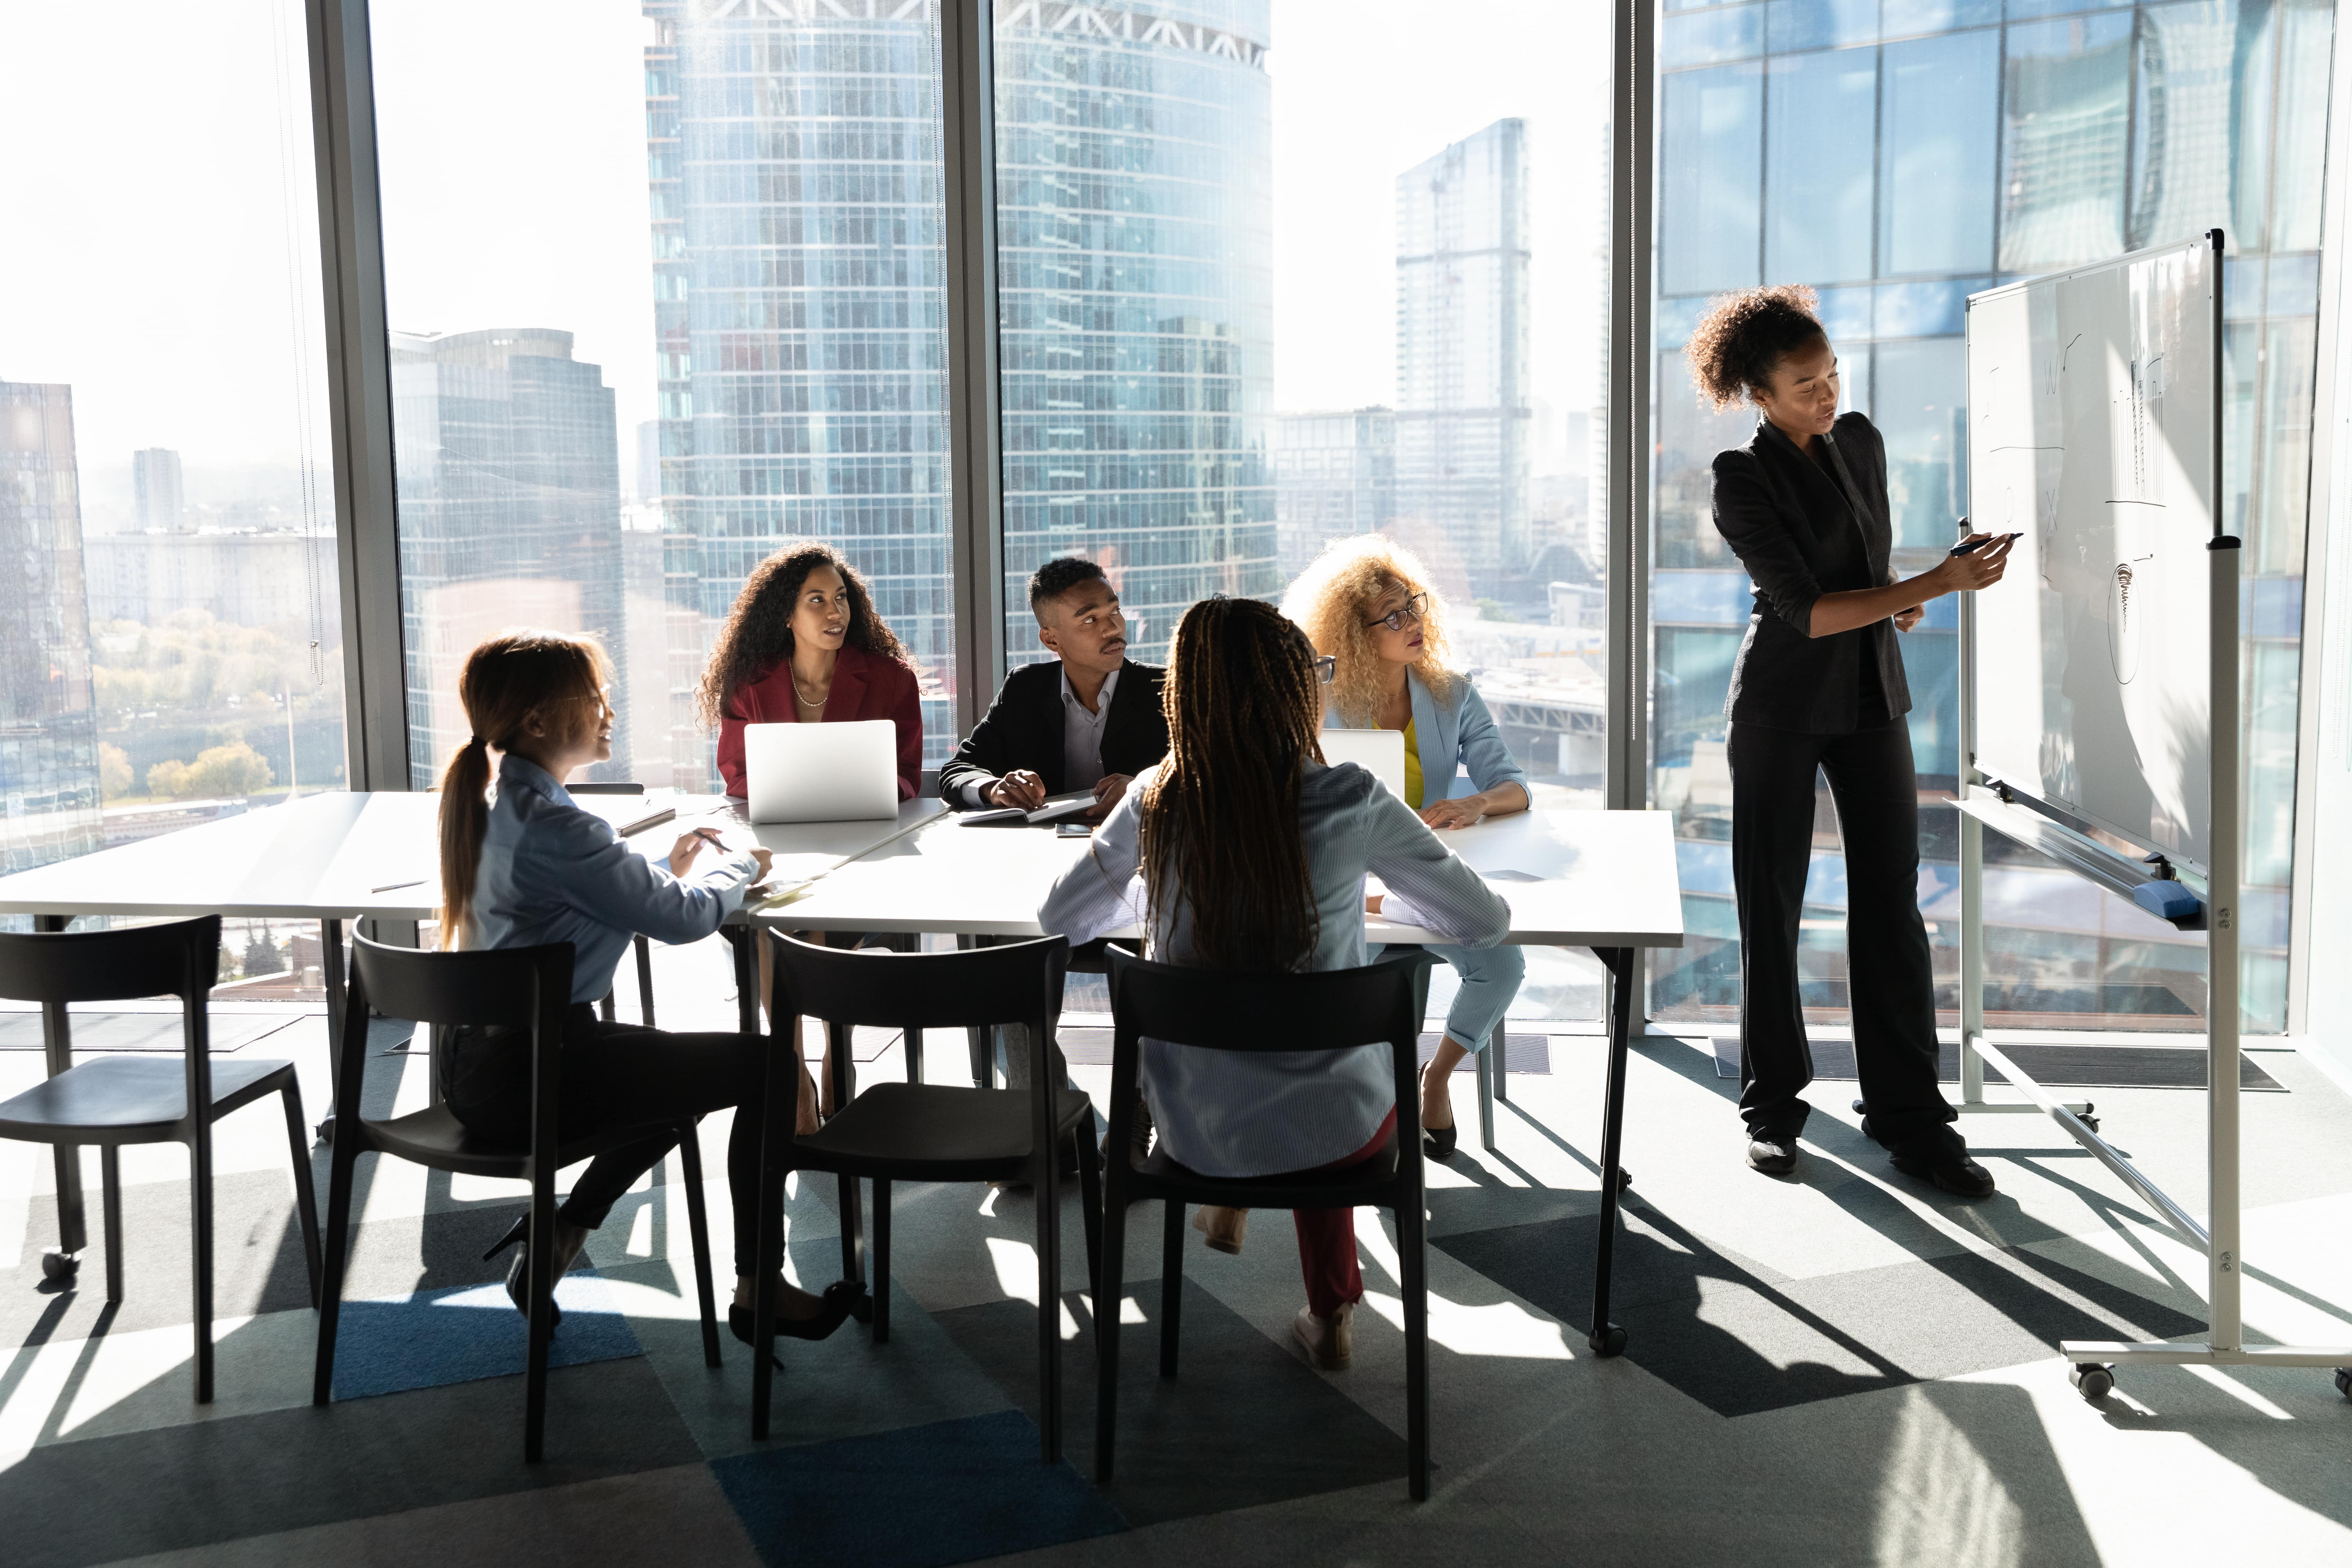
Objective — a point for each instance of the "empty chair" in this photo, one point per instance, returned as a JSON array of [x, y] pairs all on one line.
[[523, 988], [110, 1100], [930, 1132], [1224, 1011]]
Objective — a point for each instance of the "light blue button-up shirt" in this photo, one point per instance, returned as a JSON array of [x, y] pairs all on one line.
[[551, 872]]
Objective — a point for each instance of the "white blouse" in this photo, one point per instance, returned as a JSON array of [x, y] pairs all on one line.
[[1230, 1114]]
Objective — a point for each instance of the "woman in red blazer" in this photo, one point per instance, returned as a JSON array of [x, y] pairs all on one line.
[[803, 645]]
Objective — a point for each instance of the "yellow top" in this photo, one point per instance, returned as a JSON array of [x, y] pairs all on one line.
[[1411, 767]]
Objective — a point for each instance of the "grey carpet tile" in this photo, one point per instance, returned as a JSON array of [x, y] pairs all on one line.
[[1244, 1421], [653, 1518], [72, 1503], [256, 1258], [1739, 1343]]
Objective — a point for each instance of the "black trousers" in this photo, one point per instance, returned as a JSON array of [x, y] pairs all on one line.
[[1889, 981], [618, 1075]]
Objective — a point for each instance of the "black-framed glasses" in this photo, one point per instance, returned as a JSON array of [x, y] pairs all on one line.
[[1409, 612], [1325, 666]]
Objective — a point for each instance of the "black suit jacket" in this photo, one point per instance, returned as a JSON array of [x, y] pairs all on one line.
[[1801, 532], [1023, 730]]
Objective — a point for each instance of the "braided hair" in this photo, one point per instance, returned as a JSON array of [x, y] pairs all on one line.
[[1220, 821], [1743, 338], [756, 635]]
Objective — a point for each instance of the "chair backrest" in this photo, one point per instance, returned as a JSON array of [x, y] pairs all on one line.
[[1017, 984], [510, 986], [180, 958]]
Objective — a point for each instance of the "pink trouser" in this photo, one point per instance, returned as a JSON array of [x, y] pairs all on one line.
[[1326, 1237]]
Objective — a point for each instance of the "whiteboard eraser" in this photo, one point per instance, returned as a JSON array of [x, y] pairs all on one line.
[[2167, 901]]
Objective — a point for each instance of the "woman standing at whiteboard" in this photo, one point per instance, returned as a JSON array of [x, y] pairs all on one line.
[[1818, 687]]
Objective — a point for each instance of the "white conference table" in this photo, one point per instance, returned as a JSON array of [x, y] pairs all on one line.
[[1600, 879]]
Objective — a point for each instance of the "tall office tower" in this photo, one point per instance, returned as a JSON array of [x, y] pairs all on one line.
[[1135, 255], [49, 730], [1334, 475], [793, 154], [157, 497], [1463, 410], [1898, 160], [509, 487]]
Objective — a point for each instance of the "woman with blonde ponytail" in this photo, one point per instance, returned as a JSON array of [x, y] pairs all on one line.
[[522, 866]]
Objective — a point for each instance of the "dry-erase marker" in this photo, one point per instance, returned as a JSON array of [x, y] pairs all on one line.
[[1989, 539]]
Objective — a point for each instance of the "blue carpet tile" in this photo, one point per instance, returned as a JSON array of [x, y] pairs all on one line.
[[953, 1491], [456, 1335]]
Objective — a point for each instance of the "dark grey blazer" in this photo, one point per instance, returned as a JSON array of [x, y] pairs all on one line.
[[1793, 528]]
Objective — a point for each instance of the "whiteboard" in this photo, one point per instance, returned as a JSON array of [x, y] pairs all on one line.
[[2093, 402]]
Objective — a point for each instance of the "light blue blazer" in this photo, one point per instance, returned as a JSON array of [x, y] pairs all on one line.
[[1457, 731]]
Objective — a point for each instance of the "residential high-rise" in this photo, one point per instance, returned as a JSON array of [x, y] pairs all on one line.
[[799, 307], [1334, 475], [1464, 416], [48, 734], [157, 497], [1134, 153], [509, 487]]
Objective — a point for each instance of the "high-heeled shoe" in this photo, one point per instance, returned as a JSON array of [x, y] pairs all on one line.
[[839, 1298], [1439, 1142], [518, 1272]]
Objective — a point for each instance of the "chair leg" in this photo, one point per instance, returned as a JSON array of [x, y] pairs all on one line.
[[110, 1176], [605, 1008], [981, 1076], [880, 1253], [542, 1297], [1502, 1067], [306, 1194], [1487, 1096], [853, 1230], [1091, 1201], [1171, 1284], [645, 981], [1049, 1315], [73, 1217], [344, 1156], [1412, 1256], [697, 1225], [1110, 1290], [200, 1206]]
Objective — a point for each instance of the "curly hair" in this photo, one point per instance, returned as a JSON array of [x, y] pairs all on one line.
[[1743, 337], [1220, 819], [1334, 597], [758, 632]]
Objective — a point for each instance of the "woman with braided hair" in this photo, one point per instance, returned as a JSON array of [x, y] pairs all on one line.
[[1817, 687], [1253, 855]]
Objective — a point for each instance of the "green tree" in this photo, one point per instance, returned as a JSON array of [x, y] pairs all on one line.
[[168, 778], [233, 769], [113, 771]]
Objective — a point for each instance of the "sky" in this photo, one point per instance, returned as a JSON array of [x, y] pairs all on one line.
[[173, 279]]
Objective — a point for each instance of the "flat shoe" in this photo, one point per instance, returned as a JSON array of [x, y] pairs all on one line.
[[1329, 1343], [1954, 1174], [1225, 1230], [1772, 1155], [1438, 1143]]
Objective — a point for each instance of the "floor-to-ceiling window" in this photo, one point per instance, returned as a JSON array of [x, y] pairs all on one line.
[[169, 635], [1896, 155], [665, 282]]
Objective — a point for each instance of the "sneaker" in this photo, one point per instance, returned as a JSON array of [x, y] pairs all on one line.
[[1329, 1341], [1772, 1153]]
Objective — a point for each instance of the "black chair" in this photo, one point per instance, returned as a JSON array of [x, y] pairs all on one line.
[[110, 1100], [1231, 1012], [928, 1132], [644, 948], [525, 988]]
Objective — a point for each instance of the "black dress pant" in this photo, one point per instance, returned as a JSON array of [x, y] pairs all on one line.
[[618, 1075], [1889, 981]]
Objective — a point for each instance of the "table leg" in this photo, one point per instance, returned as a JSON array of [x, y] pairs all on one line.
[[330, 970], [73, 1220], [747, 977], [1606, 1338]]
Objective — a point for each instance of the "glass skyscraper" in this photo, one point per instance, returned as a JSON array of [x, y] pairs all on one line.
[[793, 155], [509, 487], [1334, 476], [1897, 155], [1135, 262], [1463, 420], [48, 732]]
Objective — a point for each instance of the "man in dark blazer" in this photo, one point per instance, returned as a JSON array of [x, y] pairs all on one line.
[[1090, 720]]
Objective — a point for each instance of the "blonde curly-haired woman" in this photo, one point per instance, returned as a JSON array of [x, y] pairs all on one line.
[[1367, 602]]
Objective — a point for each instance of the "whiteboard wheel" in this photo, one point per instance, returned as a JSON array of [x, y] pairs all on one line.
[[59, 1266], [2095, 1379]]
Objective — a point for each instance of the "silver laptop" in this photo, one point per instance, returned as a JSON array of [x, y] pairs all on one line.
[[821, 773], [1380, 753]]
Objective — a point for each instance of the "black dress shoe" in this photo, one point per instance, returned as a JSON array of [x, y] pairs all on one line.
[[1953, 1172], [1771, 1153]]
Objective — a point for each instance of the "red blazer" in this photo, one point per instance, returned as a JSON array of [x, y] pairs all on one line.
[[865, 686]]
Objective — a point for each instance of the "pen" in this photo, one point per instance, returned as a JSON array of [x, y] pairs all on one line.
[[1989, 539]]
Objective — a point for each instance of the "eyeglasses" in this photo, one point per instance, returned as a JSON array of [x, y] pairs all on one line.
[[1325, 666], [1409, 612]]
